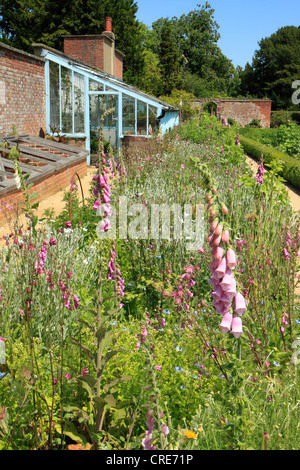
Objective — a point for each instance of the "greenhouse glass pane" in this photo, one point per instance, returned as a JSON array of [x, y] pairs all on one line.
[[141, 118], [96, 86], [112, 105], [152, 118], [78, 103], [128, 115], [66, 100], [100, 104], [97, 107], [108, 88], [54, 97]]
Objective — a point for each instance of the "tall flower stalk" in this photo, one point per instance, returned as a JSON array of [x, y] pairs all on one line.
[[227, 299]]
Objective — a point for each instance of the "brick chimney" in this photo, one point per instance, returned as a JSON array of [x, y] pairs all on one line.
[[108, 24], [97, 50]]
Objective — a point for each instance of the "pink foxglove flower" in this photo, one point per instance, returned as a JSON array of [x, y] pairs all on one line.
[[105, 225], [96, 204], [76, 301], [220, 270], [218, 253], [148, 441], [230, 258], [236, 327], [225, 236], [165, 430], [226, 282], [226, 322], [240, 304]]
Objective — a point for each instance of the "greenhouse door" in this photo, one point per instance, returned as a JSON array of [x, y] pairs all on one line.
[[104, 112]]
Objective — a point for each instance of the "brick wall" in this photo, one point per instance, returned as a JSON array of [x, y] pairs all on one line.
[[22, 92], [88, 49], [96, 50], [244, 111], [45, 187]]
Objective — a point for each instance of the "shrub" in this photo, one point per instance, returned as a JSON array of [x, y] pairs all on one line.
[[290, 166], [254, 123], [279, 118]]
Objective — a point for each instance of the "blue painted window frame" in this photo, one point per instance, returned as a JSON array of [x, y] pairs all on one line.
[[89, 75]]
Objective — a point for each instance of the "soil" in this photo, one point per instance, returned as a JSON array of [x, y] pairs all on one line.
[[56, 202]]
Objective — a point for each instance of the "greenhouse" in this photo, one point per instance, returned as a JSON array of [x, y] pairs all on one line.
[[78, 95]]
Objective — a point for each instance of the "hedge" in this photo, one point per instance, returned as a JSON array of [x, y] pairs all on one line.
[[280, 117], [290, 166]]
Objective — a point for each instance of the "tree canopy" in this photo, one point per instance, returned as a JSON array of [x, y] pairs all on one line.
[[174, 54], [203, 69], [23, 22], [275, 66]]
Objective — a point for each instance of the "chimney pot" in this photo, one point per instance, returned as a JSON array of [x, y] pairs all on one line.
[[108, 24]]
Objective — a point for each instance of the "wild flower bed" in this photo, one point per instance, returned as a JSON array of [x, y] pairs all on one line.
[[124, 340]]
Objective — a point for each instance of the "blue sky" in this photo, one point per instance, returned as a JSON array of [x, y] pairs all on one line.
[[242, 24]]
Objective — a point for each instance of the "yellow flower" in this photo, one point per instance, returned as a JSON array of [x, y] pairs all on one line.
[[200, 429], [190, 434]]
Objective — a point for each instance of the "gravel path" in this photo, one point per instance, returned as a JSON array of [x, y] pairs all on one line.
[[293, 193]]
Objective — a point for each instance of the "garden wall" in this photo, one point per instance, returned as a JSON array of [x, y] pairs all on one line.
[[243, 111], [22, 90]]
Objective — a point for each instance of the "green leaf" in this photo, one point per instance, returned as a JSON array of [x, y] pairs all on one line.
[[32, 195], [117, 381], [71, 431], [105, 337], [99, 403], [119, 414], [88, 384], [110, 400]]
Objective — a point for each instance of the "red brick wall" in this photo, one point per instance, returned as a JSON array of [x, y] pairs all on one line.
[[45, 187], [88, 49], [244, 111], [22, 92]]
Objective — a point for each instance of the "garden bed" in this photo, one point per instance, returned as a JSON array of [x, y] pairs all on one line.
[[132, 341]]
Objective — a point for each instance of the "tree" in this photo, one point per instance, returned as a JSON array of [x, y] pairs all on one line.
[[205, 69], [197, 35], [23, 22], [151, 81], [275, 66], [169, 61]]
